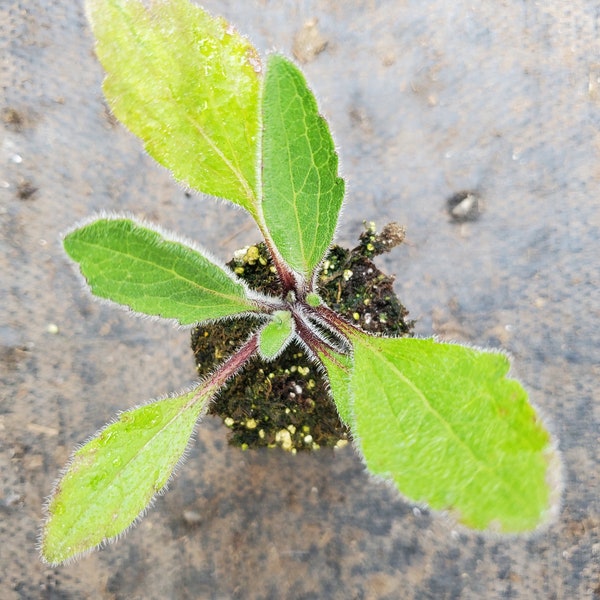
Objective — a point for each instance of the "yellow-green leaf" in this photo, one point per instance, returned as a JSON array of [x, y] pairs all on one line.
[[450, 429], [113, 478], [188, 85], [339, 369]]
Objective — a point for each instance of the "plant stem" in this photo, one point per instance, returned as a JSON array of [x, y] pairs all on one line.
[[233, 364], [286, 276], [314, 339], [335, 321]]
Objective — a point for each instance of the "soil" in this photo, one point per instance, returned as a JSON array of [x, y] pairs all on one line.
[[285, 403]]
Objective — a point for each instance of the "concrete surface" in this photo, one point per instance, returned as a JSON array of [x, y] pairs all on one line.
[[425, 99]]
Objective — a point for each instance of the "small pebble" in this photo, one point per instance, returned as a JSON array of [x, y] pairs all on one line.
[[464, 206]]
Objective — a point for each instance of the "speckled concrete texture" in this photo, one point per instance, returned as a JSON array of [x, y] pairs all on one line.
[[425, 99]]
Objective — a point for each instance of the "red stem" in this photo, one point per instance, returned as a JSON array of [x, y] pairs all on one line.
[[335, 321], [234, 363], [286, 276]]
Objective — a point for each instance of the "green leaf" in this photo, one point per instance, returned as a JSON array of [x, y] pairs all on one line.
[[112, 479], [450, 429], [276, 334], [138, 267], [188, 85], [313, 299], [302, 192], [339, 368]]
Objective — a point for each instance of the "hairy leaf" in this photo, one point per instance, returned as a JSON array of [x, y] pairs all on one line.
[[188, 85], [112, 479], [276, 334], [302, 191], [138, 267], [339, 368], [449, 428]]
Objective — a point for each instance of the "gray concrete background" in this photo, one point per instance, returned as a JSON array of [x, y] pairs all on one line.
[[425, 99]]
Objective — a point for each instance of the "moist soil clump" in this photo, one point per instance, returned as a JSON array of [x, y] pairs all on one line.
[[285, 403]]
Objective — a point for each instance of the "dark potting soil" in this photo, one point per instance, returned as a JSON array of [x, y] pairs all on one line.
[[285, 403]]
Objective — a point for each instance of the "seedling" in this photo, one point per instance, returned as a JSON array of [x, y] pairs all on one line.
[[443, 422]]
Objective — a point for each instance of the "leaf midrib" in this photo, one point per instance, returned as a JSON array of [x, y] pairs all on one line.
[[240, 299], [182, 110], [427, 405], [196, 398]]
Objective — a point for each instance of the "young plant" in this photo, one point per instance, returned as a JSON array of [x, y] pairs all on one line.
[[441, 421]]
